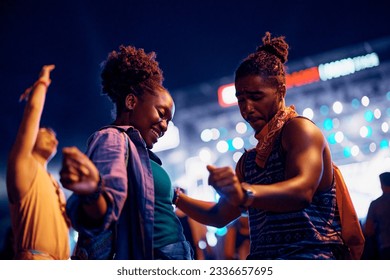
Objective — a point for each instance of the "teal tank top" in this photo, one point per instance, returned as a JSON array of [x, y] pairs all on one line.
[[167, 226]]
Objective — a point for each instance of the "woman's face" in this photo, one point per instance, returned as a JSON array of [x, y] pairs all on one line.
[[258, 100], [151, 115]]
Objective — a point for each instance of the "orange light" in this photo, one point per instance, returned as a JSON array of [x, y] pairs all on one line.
[[303, 77]]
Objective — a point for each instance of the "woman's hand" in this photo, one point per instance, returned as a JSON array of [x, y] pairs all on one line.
[[78, 173]]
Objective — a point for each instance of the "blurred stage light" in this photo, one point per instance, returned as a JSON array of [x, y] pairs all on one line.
[[206, 135], [384, 144], [355, 103], [211, 239], [328, 124], [241, 128], [339, 136], [308, 113], [202, 244], [227, 95], [369, 116], [221, 231], [377, 113], [355, 150], [238, 143], [385, 127], [222, 146], [347, 66], [337, 107], [324, 110], [332, 138], [365, 131], [365, 101], [347, 152]]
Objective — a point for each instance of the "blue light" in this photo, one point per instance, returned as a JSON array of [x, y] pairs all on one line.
[[223, 132], [388, 95], [347, 152], [369, 131], [328, 124], [369, 116], [332, 138], [384, 144], [324, 110], [221, 231], [230, 143], [355, 103]]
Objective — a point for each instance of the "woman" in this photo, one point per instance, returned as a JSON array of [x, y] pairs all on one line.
[[128, 192], [286, 183]]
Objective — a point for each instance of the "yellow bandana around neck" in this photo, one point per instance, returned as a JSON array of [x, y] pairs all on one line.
[[267, 136]]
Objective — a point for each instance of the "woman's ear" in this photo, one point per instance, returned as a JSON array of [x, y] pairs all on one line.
[[130, 101]]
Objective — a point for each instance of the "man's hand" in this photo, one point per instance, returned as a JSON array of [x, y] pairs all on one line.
[[226, 183]]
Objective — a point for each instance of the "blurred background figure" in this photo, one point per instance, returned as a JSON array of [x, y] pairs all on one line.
[[37, 203], [195, 234], [237, 241], [377, 226]]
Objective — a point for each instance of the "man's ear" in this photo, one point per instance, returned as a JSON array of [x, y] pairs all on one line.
[[282, 90], [130, 101]]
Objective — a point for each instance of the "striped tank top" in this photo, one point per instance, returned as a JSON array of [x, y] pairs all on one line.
[[311, 233]]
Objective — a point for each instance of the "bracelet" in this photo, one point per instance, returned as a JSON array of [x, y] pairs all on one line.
[[46, 84], [249, 195], [176, 195], [27, 92], [93, 197]]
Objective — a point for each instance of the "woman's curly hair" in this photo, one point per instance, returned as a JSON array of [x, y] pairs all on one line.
[[129, 70], [267, 61]]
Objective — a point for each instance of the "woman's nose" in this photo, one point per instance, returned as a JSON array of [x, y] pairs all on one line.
[[164, 125]]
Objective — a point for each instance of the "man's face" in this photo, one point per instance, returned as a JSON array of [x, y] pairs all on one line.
[[46, 143], [258, 100]]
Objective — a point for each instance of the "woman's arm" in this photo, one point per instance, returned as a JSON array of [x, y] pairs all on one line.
[[208, 213], [99, 203]]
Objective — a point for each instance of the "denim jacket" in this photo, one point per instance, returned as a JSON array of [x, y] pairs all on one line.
[[121, 156]]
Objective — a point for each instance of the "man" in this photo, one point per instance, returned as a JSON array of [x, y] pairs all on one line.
[[287, 182], [377, 226], [37, 203]]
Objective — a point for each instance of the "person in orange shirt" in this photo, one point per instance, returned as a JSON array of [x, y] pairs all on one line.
[[37, 203]]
